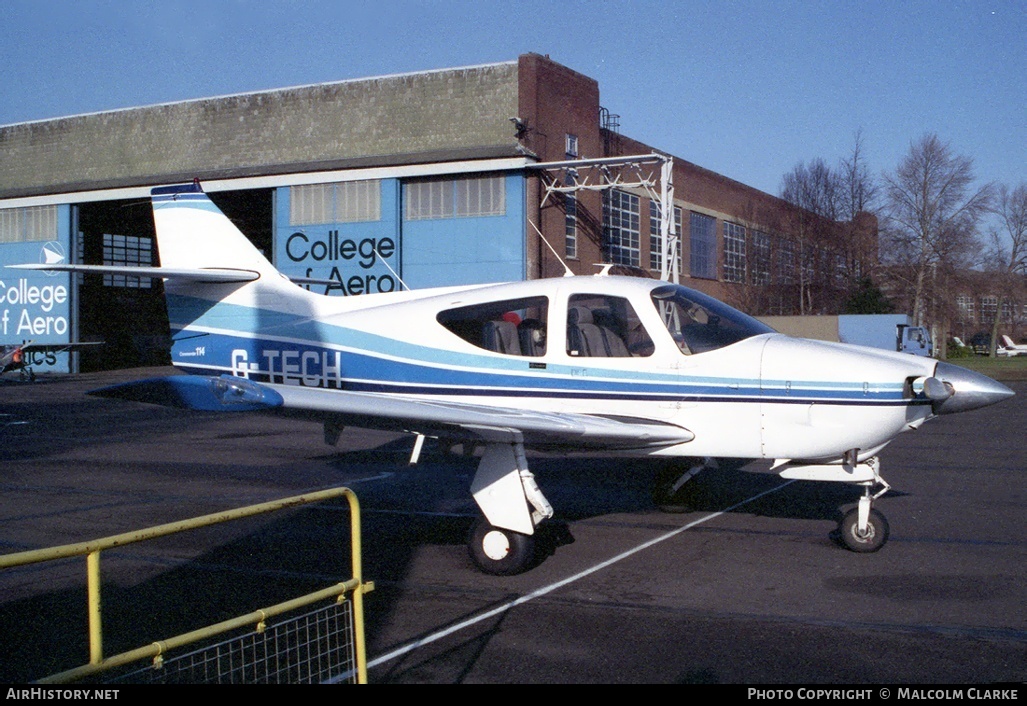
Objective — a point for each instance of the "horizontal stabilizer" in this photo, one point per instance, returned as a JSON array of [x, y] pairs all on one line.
[[304, 281], [212, 394], [61, 347], [192, 275]]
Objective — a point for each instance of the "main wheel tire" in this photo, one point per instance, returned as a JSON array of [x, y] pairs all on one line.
[[669, 499], [500, 552], [873, 539]]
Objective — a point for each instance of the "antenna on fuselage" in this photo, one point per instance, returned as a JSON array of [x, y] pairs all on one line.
[[394, 273], [566, 270]]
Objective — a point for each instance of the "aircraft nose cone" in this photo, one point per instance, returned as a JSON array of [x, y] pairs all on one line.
[[970, 390]]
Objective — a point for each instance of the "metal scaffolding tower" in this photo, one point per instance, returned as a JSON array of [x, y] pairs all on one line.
[[653, 173]]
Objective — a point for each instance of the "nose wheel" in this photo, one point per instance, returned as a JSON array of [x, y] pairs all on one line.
[[868, 538], [864, 529]]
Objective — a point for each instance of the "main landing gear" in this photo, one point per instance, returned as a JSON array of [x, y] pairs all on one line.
[[498, 551], [502, 543]]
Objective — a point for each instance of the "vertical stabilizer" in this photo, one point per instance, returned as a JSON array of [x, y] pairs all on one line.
[[211, 319], [193, 233]]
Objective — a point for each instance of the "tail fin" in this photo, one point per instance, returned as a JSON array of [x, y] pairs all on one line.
[[193, 233], [214, 319], [1008, 342], [220, 290]]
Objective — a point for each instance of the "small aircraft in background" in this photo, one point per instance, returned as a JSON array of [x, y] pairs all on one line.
[[1010, 349], [18, 357], [623, 365]]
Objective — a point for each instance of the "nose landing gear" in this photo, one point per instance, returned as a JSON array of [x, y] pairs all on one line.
[[863, 529]]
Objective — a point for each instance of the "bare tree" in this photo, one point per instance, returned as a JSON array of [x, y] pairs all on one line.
[[1009, 243], [860, 190], [933, 212], [816, 190], [858, 203]]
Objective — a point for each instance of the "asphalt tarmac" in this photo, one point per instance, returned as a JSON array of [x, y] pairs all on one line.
[[749, 588]]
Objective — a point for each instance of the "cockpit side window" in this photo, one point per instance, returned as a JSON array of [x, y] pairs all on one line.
[[606, 327], [514, 327], [699, 323]]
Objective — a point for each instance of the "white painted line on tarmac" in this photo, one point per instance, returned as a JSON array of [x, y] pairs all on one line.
[[409, 647]]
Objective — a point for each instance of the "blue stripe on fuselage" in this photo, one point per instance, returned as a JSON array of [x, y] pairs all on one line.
[[341, 363]]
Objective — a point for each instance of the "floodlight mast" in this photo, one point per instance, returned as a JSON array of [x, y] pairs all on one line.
[[605, 173]]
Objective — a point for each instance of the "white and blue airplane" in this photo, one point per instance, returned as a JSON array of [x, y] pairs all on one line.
[[592, 363]]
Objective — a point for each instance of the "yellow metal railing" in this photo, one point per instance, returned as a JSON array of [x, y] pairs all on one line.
[[91, 550]]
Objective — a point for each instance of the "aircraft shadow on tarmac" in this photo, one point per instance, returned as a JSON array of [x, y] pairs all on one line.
[[148, 596], [578, 487]]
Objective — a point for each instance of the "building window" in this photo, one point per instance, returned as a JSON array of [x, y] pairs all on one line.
[[734, 253], [1007, 311], [340, 202], [656, 237], [989, 309], [21, 225], [622, 228], [962, 305], [841, 268], [572, 146], [703, 244], [127, 250], [466, 197], [761, 258], [424, 200], [786, 262], [968, 309], [570, 221], [482, 196]]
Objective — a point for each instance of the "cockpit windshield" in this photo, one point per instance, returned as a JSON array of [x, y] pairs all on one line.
[[699, 323]]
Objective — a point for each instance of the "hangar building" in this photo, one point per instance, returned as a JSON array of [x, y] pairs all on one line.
[[486, 173]]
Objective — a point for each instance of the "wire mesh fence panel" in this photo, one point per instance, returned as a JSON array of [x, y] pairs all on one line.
[[312, 648]]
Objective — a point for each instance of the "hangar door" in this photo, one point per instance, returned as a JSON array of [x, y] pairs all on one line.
[[128, 313]]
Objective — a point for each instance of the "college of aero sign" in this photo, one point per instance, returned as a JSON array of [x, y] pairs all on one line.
[[349, 265], [34, 306]]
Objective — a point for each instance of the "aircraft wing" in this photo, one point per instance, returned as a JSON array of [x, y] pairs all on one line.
[[459, 419], [449, 419]]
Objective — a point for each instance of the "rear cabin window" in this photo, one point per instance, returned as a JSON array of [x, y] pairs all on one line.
[[511, 327], [601, 326]]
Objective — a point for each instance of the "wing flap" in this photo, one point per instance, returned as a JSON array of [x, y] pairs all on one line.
[[454, 418]]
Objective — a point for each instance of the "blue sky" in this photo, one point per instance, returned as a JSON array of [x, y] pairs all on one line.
[[745, 88]]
